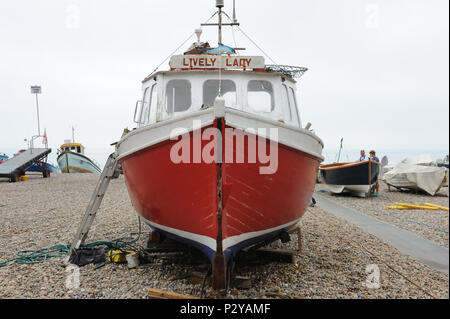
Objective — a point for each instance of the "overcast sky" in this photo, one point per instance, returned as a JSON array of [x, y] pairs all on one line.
[[378, 69]]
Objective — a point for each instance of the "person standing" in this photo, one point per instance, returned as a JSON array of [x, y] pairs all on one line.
[[374, 158], [363, 156]]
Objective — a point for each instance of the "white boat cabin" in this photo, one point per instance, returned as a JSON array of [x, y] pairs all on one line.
[[168, 94]]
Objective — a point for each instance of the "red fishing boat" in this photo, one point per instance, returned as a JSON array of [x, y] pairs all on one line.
[[220, 159]]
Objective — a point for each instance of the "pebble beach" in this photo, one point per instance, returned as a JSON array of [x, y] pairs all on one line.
[[332, 263]]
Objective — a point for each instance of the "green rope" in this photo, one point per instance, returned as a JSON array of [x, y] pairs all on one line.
[[30, 257]]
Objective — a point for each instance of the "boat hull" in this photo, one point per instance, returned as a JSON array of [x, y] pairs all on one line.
[[181, 200], [70, 162], [3, 158], [35, 168], [357, 178], [177, 199]]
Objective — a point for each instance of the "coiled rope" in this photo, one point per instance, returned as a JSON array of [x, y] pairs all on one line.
[[37, 256]]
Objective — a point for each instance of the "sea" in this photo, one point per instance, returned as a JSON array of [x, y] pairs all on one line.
[[394, 156]]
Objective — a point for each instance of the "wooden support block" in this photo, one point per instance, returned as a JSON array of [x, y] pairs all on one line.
[[179, 277], [156, 237], [241, 282], [161, 294], [281, 255], [196, 278]]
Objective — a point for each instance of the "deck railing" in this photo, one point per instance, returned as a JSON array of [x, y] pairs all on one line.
[[36, 137]]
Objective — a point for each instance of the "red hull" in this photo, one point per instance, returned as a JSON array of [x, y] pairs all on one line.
[[179, 196], [259, 202], [181, 199]]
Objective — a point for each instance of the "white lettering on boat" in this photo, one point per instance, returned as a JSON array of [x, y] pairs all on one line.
[[261, 147]]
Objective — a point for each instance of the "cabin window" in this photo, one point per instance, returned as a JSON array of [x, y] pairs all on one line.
[[145, 107], [286, 103], [153, 104], [260, 96], [293, 102], [78, 149], [72, 148], [178, 96], [211, 91]]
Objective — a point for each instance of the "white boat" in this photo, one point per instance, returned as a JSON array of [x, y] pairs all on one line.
[[429, 179], [424, 160], [71, 159]]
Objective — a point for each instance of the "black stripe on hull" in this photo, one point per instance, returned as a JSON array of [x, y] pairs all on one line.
[[351, 175]]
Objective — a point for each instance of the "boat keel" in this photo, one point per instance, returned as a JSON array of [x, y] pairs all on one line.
[[219, 271]]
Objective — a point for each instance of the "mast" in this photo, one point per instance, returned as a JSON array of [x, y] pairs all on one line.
[[340, 149], [220, 5]]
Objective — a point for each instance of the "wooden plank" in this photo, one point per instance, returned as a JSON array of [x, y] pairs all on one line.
[[154, 293], [196, 278], [242, 282]]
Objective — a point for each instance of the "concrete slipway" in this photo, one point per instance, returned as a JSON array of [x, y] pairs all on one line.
[[407, 242]]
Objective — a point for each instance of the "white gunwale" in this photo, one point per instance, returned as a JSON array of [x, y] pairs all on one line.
[[288, 135]]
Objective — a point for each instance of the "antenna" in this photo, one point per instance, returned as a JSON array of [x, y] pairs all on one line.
[[234, 12], [220, 4]]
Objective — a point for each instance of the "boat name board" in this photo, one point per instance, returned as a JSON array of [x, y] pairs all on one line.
[[216, 62]]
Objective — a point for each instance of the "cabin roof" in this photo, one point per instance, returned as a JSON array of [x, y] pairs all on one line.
[[209, 71], [71, 144]]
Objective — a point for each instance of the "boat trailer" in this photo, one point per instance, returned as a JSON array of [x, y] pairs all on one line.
[[15, 167]]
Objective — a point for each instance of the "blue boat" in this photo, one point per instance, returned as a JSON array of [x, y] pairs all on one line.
[[36, 168], [71, 159], [3, 158]]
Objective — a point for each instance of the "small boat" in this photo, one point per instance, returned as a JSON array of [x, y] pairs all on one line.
[[444, 162], [35, 168], [219, 158], [71, 159], [358, 177], [428, 179], [3, 157]]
